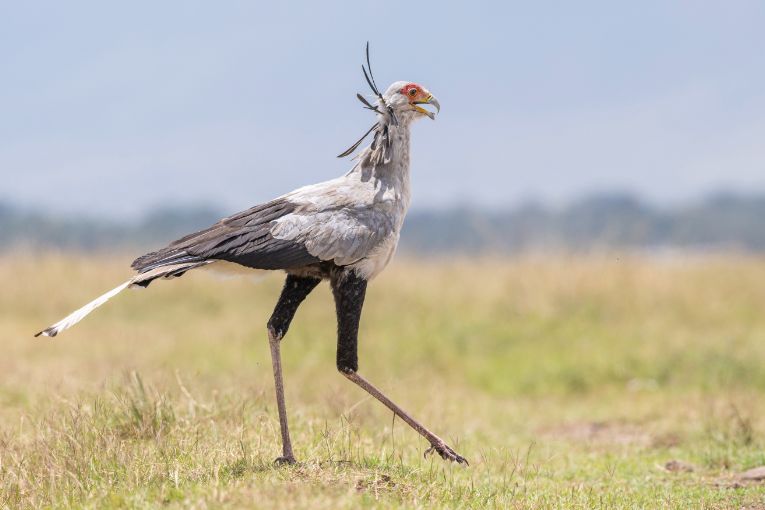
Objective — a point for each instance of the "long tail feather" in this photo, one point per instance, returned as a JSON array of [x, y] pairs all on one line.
[[76, 316], [141, 280]]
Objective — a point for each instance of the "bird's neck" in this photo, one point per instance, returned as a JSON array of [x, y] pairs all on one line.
[[399, 161], [392, 174]]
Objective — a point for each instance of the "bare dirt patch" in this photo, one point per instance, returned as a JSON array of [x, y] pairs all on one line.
[[753, 475]]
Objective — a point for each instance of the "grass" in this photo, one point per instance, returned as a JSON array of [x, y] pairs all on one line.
[[568, 382]]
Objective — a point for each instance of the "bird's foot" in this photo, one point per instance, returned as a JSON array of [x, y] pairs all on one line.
[[446, 452], [285, 460]]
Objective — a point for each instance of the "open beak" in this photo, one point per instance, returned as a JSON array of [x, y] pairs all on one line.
[[431, 100]]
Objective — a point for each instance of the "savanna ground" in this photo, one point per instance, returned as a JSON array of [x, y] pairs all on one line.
[[568, 382]]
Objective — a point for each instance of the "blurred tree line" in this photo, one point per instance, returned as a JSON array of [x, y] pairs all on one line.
[[603, 221]]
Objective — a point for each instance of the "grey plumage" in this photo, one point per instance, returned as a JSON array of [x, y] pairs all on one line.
[[243, 238], [345, 230], [351, 222]]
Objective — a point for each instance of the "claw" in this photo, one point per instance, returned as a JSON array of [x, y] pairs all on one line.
[[446, 453], [281, 461]]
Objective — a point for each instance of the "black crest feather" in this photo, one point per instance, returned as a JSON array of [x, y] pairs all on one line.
[[355, 146], [381, 138]]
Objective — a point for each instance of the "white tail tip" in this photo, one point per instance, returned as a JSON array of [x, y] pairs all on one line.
[[76, 316]]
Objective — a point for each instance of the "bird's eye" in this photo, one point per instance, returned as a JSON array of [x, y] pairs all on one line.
[[412, 92]]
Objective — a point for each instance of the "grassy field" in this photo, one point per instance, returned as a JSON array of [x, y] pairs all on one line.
[[566, 382]]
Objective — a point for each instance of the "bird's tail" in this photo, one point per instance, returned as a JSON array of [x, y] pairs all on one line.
[[142, 280], [76, 316]]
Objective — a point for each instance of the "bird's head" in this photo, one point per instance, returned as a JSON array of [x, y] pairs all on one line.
[[406, 100], [399, 105]]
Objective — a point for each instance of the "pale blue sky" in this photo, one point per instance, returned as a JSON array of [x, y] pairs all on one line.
[[115, 108]]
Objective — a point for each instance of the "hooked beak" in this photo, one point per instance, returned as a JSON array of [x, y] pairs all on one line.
[[431, 100]]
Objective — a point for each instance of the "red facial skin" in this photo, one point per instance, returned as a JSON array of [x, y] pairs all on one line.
[[414, 92]]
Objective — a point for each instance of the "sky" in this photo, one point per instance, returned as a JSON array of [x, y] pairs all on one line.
[[109, 109]]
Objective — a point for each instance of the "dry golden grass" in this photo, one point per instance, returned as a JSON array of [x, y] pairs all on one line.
[[568, 382]]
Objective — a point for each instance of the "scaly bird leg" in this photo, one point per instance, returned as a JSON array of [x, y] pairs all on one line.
[[436, 443], [349, 291], [276, 360], [295, 291]]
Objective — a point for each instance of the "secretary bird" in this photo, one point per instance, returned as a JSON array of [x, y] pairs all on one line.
[[344, 230]]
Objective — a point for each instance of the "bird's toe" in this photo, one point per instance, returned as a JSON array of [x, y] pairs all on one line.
[[285, 460], [446, 452]]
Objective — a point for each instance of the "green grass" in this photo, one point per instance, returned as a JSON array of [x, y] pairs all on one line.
[[568, 382]]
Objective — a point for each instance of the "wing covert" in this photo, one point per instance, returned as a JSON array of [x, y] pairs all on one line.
[[244, 238]]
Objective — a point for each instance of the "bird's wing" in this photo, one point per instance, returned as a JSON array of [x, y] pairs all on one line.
[[344, 234], [337, 220], [244, 238]]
